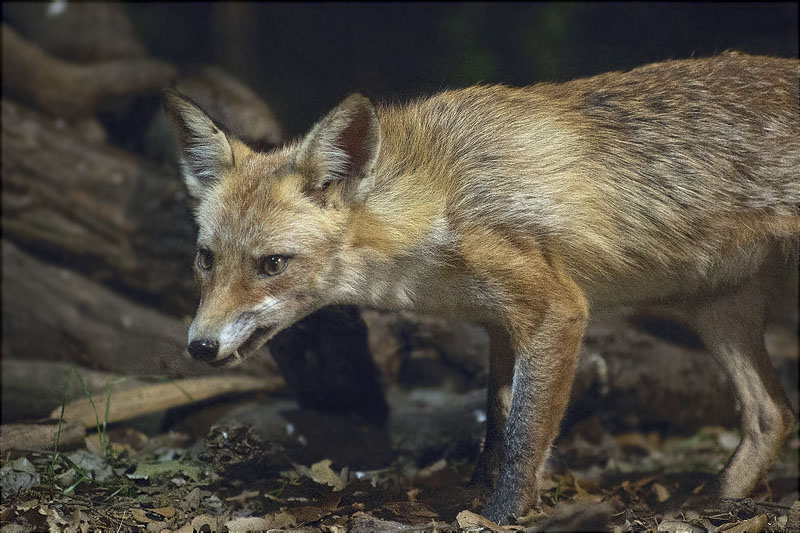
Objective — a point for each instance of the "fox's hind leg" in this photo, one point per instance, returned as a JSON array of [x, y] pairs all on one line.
[[732, 328]]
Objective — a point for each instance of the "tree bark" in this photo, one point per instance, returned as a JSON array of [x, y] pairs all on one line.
[[98, 209], [53, 313], [41, 436], [71, 90]]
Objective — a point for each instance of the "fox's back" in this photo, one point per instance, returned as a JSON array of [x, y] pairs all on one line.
[[676, 165]]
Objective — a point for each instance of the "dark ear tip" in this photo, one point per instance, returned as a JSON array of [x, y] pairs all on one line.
[[168, 97], [358, 99]]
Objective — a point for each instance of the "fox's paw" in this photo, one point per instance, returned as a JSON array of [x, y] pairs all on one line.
[[500, 512]]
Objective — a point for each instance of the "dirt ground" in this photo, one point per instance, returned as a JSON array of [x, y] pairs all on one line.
[[267, 464]]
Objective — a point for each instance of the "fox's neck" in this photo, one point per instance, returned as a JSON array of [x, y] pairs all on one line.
[[398, 231], [409, 195]]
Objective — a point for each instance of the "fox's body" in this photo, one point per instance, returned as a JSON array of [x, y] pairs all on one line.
[[674, 184]]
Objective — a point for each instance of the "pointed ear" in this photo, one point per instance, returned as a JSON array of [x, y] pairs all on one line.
[[205, 150], [342, 149]]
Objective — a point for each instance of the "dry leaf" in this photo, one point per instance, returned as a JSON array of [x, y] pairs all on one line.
[[435, 467], [186, 528], [588, 497], [310, 513], [661, 492], [643, 481], [140, 515], [243, 525], [412, 494], [27, 506], [213, 523], [280, 520], [468, 519], [166, 512], [153, 515], [334, 528], [583, 495], [794, 517], [677, 526], [321, 473], [55, 521], [753, 525], [155, 527], [410, 511]]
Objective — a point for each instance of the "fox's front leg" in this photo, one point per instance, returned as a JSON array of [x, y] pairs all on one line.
[[545, 355], [498, 405]]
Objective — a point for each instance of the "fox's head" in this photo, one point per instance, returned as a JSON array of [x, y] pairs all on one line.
[[272, 226]]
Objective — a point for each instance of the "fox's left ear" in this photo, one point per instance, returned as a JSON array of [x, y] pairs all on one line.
[[342, 149], [205, 149]]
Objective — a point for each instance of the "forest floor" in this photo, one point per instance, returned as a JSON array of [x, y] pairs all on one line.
[[410, 474]]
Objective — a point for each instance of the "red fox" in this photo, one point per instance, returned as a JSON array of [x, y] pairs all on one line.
[[675, 184]]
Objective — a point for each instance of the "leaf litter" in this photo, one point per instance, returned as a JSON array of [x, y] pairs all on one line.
[[233, 480]]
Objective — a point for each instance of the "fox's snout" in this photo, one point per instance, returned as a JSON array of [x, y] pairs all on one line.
[[204, 350], [203, 344], [230, 341]]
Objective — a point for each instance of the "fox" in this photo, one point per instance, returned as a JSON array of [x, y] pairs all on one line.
[[674, 185]]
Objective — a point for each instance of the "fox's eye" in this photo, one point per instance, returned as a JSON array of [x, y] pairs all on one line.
[[273, 265], [205, 259]]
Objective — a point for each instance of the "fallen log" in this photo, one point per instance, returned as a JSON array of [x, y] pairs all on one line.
[[31, 389], [41, 436], [71, 90], [53, 313], [127, 404], [98, 209]]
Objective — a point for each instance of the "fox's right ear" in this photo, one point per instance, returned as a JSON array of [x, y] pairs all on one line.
[[205, 150], [342, 148]]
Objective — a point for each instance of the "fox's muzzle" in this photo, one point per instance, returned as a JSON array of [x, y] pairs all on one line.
[[204, 350]]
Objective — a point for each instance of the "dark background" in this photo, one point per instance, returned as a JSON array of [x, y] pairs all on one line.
[[304, 58]]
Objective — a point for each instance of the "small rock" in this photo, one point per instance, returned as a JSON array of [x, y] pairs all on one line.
[[17, 476]]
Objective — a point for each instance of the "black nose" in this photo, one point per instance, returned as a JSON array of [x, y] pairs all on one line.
[[204, 349]]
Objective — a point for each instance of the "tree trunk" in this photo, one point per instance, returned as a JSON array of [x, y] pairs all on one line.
[[327, 363]]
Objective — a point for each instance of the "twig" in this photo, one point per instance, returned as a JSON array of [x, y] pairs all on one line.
[[122, 520]]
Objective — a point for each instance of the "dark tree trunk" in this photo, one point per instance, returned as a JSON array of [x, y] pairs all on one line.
[[326, 361]]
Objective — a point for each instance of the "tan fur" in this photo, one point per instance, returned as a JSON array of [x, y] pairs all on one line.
[[674, 184]]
